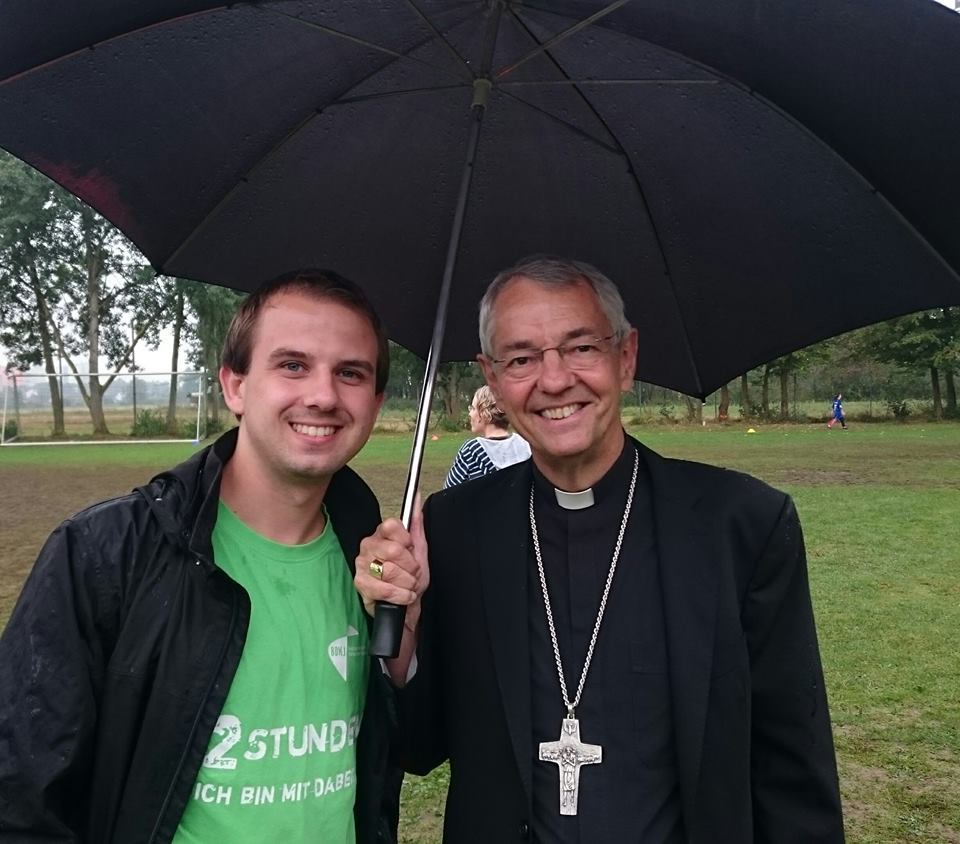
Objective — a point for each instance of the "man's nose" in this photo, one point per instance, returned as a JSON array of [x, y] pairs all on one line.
[[555, 375], [321, 390]]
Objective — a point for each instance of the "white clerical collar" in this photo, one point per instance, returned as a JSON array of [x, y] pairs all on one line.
[[574, 500]]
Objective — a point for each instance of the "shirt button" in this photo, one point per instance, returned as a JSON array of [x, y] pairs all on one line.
[[524, 830]]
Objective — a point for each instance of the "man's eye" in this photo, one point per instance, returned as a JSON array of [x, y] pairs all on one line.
[[292, 366], [519, 362], [351, 374], [582, 349]]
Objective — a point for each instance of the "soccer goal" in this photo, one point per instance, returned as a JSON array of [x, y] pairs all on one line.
[[105, 407]]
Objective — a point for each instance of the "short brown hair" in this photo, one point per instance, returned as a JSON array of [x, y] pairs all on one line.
[[319, 284]]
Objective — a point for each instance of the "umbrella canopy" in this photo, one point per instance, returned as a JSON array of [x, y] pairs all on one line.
[[755, 176]]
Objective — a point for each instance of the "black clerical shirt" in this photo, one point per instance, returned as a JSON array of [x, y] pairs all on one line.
[[633, 795]]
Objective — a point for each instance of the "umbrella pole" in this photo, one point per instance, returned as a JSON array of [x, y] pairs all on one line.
[[388, 618]]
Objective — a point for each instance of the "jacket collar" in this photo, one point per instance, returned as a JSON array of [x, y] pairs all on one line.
[[185, 499]]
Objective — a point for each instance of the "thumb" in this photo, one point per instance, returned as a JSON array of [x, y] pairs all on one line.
[[417, 533]]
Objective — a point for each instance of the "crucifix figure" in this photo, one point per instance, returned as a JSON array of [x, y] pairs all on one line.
[[569, 753]]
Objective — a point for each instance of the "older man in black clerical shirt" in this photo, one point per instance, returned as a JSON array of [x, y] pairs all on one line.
[[613, 646]]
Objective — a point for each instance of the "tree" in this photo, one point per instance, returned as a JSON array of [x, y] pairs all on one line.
[[406, 374], [927, 340], [790, 366], [723, 409], [29, 287], [84, 279], [105, 281], [179, 318], [455, 382], [213, 307]]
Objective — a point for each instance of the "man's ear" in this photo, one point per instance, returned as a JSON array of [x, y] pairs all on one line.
[[628, 360], [489, 374], [232, 384]]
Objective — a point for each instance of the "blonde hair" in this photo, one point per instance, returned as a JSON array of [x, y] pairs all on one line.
[[487, 408]]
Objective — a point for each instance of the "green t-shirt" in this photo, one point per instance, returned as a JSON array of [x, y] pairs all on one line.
[[281, 763]]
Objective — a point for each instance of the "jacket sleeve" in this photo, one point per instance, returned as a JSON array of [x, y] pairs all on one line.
[[796, 794], [51, 665]]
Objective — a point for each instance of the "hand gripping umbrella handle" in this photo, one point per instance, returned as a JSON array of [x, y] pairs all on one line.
[[387, 630]]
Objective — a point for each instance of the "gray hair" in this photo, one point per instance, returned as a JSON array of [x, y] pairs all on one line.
[[551, 271]]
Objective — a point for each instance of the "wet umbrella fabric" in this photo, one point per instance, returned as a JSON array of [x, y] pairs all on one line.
[[755, 177]]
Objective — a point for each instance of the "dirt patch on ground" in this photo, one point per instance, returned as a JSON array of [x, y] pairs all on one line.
[[819, 477], [34, 500]]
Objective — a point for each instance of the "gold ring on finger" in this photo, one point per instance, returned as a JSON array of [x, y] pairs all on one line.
[[376, 569]]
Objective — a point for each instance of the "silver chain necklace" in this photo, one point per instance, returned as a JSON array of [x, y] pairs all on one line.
[[569, 753]]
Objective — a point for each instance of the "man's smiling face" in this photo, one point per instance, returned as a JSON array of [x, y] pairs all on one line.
[[308, 400], [571, 418]]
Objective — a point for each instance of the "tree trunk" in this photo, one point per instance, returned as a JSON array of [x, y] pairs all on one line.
[[694, 409], [746, 403], [765, 393], [94, 269], [723, 411], [448, 383], [46, 346], [213, 370], [784, 393], [96, 407], [951, 391], [937, 398], [174, 364]]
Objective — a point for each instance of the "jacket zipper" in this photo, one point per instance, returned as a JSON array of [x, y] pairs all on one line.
[[196, 721]]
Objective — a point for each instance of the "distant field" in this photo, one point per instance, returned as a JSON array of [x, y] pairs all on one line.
[[880, 506]]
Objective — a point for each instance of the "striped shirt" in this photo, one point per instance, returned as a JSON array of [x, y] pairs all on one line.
[[483, 455]]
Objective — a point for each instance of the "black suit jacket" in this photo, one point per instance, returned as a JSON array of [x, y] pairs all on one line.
[[752, 731]]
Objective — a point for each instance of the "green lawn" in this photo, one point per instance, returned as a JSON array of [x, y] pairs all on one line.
[[880, 505]]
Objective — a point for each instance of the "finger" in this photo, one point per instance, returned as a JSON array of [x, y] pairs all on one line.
[[396, 575], [389, 592], [393, 529], [384, 550], [420, 550]]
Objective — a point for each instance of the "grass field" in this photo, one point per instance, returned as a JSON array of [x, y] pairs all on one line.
[[880, 506]]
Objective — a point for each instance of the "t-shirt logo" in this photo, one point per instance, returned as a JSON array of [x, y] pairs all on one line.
[[341, 648]]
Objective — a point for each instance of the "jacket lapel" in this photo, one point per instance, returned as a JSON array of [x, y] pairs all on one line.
[[504, 584], [689, 586]]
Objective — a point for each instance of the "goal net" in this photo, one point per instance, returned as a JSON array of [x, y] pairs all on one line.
[[41, 409]]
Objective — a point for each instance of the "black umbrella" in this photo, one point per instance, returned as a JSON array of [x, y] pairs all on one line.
[[755, 176]]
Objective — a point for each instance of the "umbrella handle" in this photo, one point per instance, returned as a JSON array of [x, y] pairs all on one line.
[[387, 630]]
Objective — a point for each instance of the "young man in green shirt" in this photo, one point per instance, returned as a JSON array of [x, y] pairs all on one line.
[[189, 662]]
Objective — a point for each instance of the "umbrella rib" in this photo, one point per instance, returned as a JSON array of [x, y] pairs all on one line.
[[119, 36], [442, 38], [371, 45], [557, 82], [245, 177], [363, 98], [643, 199], [615, 149], [560, 37], [241, 180]]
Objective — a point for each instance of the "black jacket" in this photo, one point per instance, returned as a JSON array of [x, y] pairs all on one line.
[[755, 758], [118, 657]]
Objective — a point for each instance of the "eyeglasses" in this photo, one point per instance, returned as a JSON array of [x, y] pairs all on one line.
[[580, 354]]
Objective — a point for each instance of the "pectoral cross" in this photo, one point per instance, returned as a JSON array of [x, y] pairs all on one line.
[[569, 754]]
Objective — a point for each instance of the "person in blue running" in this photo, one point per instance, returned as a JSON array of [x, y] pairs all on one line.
[[838, 413], [493, 448]]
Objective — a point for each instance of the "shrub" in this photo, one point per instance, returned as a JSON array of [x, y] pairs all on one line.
[[10, 429], [149, 423], [899, 409]]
